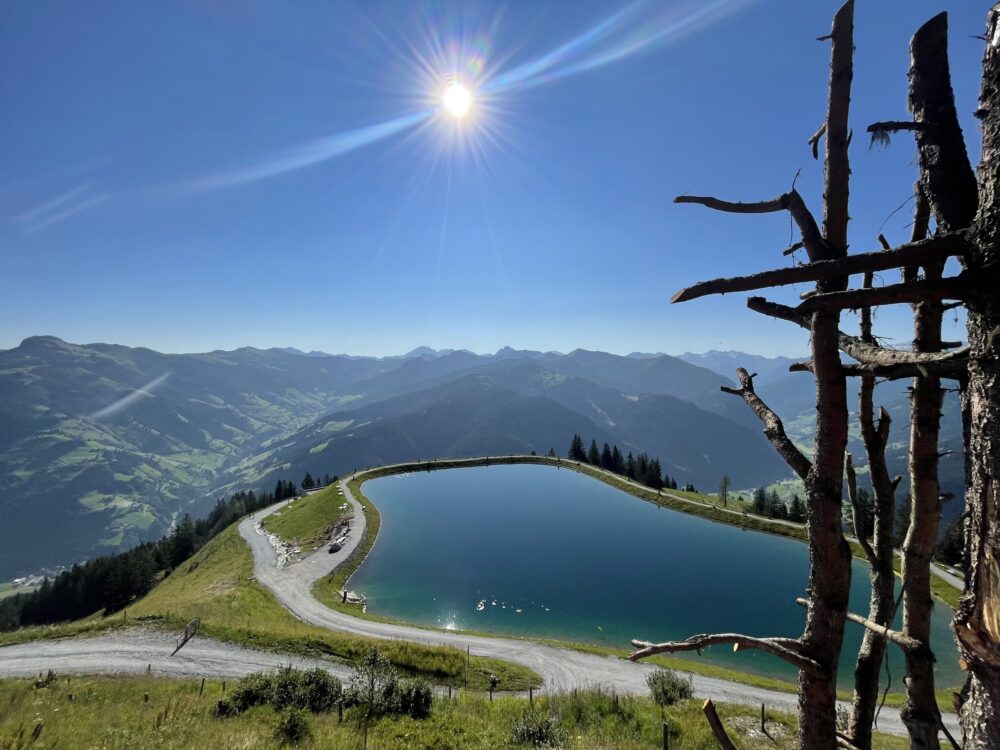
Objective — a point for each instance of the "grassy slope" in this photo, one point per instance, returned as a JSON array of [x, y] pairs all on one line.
[[216, 585], [306, 522], [114, 712]]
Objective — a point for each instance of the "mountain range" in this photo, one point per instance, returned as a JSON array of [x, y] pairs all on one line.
[[102, 446]]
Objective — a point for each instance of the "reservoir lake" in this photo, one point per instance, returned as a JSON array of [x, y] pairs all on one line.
[[550, 553]]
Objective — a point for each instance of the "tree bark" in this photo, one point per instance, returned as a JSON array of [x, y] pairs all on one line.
[[920, 714], [977, 620], [879, 551], [946, 175], [949, 185], [829, 554]]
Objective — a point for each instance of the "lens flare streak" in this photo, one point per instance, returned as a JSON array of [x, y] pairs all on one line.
[[126, 401], [457, 82], [312, 153]]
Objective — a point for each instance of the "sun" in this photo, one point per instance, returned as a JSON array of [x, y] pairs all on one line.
[[456, 99]]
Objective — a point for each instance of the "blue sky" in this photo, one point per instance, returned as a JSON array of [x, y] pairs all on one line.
[[193, 175]]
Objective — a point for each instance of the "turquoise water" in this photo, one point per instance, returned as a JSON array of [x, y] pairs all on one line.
[[546, 552]]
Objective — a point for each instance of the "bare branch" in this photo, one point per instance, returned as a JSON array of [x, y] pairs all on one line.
[[882, 131], [936, 249], [718, 730], [866, 353], [921, 226], [791, 201], [860, 528], [698, 642], [792, 248], [902, 640], [774, 429], [955, 369], [814, 140], [957, 287], [845, 743]]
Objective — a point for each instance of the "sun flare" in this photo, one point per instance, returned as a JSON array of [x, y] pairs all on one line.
[[456, 99]]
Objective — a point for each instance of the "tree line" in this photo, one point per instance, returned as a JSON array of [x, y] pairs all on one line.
[[110, 582], [640, 468], [772, 506]]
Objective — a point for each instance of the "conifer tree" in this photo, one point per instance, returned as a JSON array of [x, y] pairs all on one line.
[[593, 455]]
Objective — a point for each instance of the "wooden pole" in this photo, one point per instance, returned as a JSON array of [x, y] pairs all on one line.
[[666, 736], [201, 689]]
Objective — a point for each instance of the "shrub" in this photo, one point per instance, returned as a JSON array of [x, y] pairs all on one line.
[[253, 690], [415, 699], [538, 730], [667, 687], [314, 690], [319, 691], [374, 685], [285, 689], [292, 726], [586, 708]]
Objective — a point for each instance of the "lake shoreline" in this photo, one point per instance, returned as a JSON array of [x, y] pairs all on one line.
[[322, 589]]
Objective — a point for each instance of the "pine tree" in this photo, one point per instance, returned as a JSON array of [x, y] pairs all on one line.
[[593, 455], [307, 482], [617, 460], [776, 506], [630, 466], [760, 501], [576, 451], [607, 460], [797, 512], [654, 475]]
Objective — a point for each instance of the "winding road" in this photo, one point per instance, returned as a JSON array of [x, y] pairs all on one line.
[[137, 650]]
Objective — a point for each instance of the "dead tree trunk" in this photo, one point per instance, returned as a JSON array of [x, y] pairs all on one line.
[[817, 652], [829, 554], [949, 185], [977, 620], [920, 714], [878, 550]]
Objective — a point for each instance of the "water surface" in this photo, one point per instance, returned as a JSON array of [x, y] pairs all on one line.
[[545, 552]]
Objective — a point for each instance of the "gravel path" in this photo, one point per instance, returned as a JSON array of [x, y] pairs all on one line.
[[135, 650]]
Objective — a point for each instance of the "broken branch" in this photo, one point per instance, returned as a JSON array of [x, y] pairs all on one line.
[[916, 253], [954, 369], [774, 429], [791, 201], [865, 353], [717, 727], [902, 640], [698, 642], [916, 291], [860, 529]]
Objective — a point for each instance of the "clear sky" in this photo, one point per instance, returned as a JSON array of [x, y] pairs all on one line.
[[196, 175]]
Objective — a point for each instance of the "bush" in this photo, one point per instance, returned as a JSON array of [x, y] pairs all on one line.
[[293, 726], [538, 730], [588, 708], [667, 687], [253, 690], [315, 690], [319, 691], [415, 699]]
